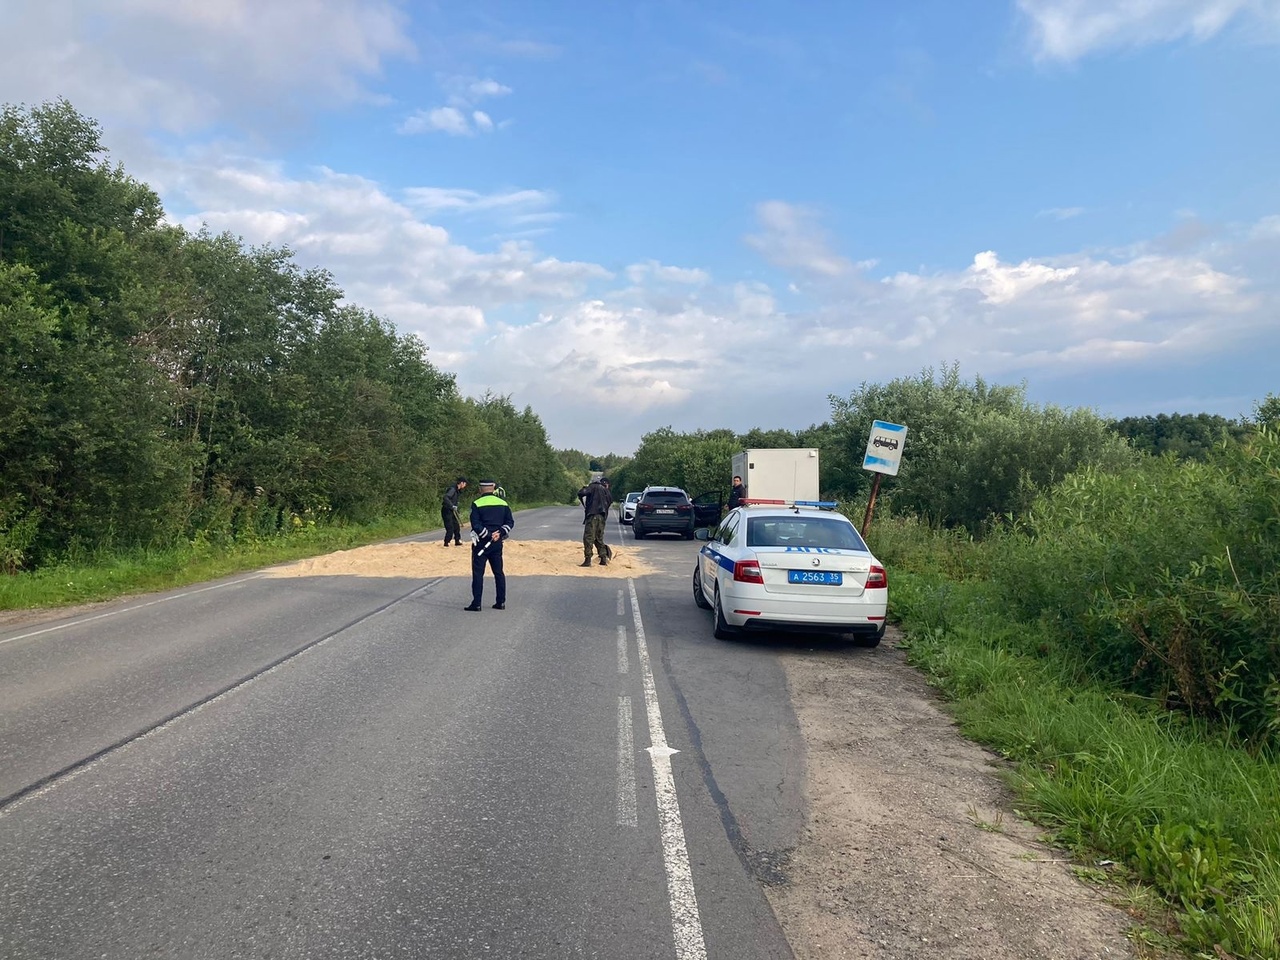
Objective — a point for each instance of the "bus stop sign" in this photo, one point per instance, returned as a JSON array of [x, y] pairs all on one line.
[[884, 447]]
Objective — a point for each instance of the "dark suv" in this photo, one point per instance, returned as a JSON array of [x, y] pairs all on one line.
[[670, 510]]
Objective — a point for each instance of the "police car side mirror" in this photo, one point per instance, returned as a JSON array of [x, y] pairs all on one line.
[[702, 533]]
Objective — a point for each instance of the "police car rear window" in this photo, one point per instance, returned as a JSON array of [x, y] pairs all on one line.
[[802, 532]]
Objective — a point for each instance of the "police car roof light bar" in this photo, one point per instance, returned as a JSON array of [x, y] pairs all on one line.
[[820, 504]]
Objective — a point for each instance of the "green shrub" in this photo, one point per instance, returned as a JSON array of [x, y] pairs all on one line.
[[1162, 578]]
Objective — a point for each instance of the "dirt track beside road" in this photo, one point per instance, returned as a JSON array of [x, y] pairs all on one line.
[[912, 848]]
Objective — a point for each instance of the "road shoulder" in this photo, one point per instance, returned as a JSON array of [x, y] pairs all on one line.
[[911, 847]]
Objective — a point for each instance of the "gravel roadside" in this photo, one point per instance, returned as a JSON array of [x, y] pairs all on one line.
[[912, 848]]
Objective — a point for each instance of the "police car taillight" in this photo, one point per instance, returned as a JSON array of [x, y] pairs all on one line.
[[877, 579], [747, 571]]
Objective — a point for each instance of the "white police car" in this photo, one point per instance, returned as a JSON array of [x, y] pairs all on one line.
[[799, 565]]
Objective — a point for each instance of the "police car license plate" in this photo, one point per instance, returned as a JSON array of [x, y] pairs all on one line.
[[663, 510], [832, 578]]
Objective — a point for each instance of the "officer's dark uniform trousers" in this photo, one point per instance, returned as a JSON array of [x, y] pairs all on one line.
[[490, 552]]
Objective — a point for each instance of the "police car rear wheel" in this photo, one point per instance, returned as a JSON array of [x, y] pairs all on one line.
[[869, 640], [723, 631], [699, 597]]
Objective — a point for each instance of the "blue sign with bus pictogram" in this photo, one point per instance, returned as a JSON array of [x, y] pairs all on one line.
[[884, 447]]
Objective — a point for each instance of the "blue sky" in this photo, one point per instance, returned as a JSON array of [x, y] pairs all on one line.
[[701, 215]]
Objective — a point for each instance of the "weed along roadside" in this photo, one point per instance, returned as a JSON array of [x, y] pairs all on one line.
[[1167, 810]]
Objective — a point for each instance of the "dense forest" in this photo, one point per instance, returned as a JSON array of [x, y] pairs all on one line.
[[159, 384]]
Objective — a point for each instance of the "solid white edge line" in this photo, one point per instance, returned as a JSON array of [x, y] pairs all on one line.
[[626, 765], [686, 923], [138, 606]]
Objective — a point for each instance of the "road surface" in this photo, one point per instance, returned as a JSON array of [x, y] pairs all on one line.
[[320, 767]]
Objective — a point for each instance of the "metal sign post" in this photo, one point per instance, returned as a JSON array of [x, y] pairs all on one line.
[[884, 454]]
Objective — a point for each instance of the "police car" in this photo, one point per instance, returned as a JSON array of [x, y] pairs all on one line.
[[790, 565]]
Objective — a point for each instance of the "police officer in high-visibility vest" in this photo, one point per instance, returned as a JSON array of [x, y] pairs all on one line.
[[491, 523]]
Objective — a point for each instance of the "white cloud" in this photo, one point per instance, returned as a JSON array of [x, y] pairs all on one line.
[[449, 120], [588, 357], [1071, 312], [792, 238], [1061, 213], [1267, 228], [661, 273], [1066, 30], [665, 361], [754, 301], [1002, 283], [183, 65], [459, 118], [604, 359], [480, 89], [520, 204], [380, 250]]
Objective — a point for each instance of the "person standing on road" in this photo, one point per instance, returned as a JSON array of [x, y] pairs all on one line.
[[449, 512], [737, 494], [491, 523], [596, 501]]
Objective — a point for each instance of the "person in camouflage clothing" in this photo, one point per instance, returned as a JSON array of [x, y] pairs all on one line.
[[596, 501]]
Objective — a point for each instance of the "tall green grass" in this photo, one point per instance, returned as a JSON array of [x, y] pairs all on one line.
[[1171, 802]]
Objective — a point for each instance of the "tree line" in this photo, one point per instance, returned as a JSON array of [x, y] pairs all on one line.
[[977, 454], [157, 383]]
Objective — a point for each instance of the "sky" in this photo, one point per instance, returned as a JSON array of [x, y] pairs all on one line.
[[695, 214]]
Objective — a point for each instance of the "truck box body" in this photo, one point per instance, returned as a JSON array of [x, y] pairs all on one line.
[[779, 474]]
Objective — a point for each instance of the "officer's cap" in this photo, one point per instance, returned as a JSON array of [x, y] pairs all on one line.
[[488, 483]]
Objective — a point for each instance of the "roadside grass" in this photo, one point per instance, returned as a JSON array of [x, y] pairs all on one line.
[[103, 575], [1155, 803]]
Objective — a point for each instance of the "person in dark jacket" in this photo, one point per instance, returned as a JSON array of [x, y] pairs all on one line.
[[596, 501], [449, 512], [737, 494], [491, 523]]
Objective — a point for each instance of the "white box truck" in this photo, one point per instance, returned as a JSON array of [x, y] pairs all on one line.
[[784, 473]]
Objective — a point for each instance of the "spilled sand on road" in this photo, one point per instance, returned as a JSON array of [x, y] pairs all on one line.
[[532, 558]]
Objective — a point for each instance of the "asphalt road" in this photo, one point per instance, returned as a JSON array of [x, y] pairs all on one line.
[[355, 767]]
